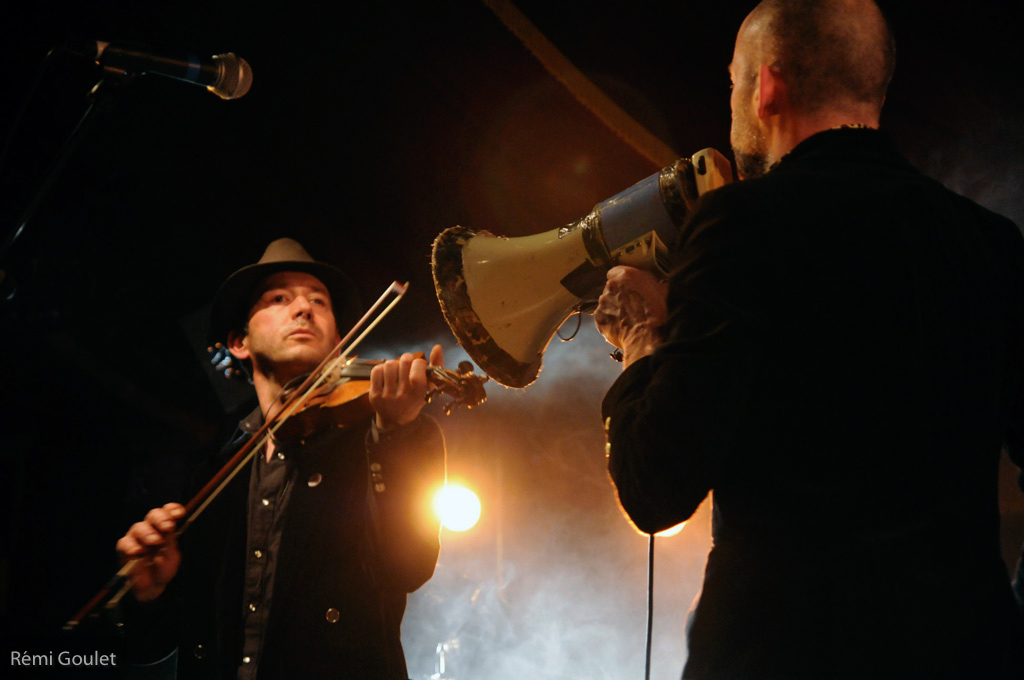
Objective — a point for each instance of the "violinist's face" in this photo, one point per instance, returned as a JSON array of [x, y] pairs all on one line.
[[291, 326]]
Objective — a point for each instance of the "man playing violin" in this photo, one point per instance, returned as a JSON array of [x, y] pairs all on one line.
[[301, 566]]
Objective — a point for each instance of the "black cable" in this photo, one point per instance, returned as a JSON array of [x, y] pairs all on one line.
[[579, 322], [650, 604], [99, 99]]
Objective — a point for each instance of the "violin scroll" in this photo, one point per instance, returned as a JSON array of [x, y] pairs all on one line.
[[466, 388]]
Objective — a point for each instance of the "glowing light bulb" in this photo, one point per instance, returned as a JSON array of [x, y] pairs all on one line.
[[458, 507], [671, 531]]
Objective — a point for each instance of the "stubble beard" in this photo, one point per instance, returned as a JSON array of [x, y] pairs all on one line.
[[288, 358], [749, 147], [749, 166]]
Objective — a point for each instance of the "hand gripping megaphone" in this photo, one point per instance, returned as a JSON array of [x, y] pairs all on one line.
[[504, 298]]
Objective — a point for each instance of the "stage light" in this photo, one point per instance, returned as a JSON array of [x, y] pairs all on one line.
[[671, 531], [458, 507]]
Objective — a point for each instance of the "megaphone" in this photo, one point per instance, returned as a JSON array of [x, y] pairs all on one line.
[[504, 298]]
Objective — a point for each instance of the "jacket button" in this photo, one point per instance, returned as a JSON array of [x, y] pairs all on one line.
[[199, 652], [315, 479], [332, 615]]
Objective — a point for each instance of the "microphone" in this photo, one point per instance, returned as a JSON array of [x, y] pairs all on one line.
[[225, 75]]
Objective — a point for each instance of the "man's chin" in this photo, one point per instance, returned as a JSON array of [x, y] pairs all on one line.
[[302, 359], [309, 354], [749, 165]]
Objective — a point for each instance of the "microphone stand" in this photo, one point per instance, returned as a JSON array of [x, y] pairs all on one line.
[[101, 98]]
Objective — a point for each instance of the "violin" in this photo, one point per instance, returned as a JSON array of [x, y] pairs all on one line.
[[342, 399]]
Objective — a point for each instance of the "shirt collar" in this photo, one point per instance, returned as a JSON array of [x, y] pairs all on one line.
[[846, 143], [251, 422]]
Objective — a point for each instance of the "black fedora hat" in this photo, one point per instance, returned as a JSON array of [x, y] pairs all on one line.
[[231, 304]]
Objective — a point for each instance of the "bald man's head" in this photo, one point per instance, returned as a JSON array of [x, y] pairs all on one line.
[[831, 53]]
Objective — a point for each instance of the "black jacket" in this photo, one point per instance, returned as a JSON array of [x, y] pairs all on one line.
[[350, 552], [842, 366]]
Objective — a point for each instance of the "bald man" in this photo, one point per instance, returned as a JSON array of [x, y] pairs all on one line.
[[838, 357]]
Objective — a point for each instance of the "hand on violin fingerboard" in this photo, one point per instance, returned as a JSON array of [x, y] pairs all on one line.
[[398, 388]]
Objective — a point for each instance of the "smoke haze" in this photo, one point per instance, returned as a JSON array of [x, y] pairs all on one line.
[[552, 582]]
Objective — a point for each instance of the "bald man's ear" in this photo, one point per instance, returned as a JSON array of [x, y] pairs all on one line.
[[771, 93]]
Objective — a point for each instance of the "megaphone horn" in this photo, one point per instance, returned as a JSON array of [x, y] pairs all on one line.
[[504, 298]]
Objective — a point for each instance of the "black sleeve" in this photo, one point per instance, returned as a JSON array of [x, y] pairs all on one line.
[[407, 467], [671, 417], [1014, 445], [1012, 248], [150, 630]]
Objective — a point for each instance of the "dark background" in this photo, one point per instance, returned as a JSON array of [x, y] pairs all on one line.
[[367, 131]]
